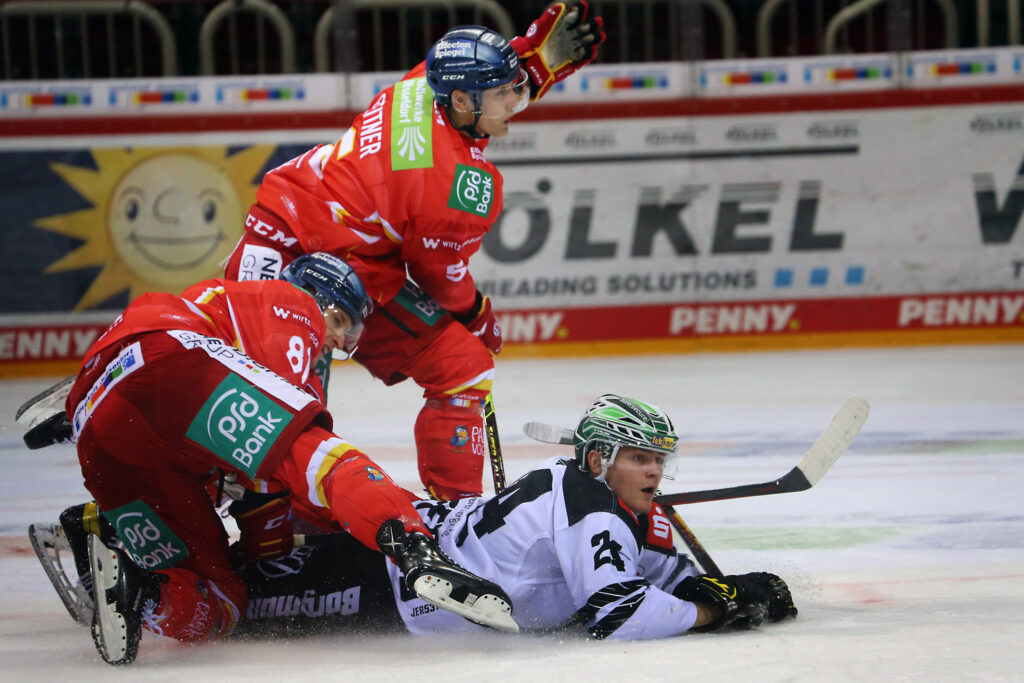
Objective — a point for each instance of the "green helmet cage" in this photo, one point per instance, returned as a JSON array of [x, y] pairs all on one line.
[[615, 421]]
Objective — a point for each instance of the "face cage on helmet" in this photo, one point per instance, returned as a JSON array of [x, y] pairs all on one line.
[[610, 450], [350, 339]]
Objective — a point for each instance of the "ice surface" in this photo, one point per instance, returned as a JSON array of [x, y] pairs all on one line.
[[906, 560]]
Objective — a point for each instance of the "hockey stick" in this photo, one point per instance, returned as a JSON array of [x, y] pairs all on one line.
[[494, 445], [819, 458], [695, 546], [45, 404], [815, 464]]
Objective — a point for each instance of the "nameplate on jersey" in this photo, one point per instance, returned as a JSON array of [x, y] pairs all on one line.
[[259, 263], [412, 125], [244, 366]]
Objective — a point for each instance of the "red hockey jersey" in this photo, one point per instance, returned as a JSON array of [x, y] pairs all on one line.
[[401, 188], [273, 322]]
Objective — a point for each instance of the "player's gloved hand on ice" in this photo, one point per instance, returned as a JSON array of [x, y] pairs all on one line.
[[720, 597], [558, 43], [265, 523], [480, 320], [766, 588]]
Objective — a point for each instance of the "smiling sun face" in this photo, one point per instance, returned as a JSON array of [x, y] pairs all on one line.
[[162, 219]]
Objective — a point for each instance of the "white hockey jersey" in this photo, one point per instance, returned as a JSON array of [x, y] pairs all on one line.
[[565, 549]]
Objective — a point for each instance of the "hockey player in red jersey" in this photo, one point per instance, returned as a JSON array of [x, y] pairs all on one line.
[[182, 389], [406, 196]]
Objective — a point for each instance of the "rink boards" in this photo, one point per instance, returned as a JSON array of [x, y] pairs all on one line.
[[869, 200]]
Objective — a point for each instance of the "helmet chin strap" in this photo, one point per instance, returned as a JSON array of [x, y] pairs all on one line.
[[469, 129]]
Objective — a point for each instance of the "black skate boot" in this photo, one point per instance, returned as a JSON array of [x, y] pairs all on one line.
[[437, 579], [123, 593], [52, 541], [54, 430]]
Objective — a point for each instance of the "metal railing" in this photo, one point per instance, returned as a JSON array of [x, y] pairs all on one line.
[[229, 11], [925, 24], [59, 15], [66, 39], [486, 12], [660, 30], [951, 25]]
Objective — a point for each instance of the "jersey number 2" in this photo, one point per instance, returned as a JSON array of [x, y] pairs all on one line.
[[607, 551]]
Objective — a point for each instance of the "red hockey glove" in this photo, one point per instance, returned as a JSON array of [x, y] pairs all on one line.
[[265, 526], [480, 320], [558, 43]]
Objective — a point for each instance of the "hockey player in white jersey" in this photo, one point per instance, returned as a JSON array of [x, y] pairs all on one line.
[[582, 540], [576, 543]]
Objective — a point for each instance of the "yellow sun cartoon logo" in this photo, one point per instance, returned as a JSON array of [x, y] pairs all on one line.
[[161, 218]]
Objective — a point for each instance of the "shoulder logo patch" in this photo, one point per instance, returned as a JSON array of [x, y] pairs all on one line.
[[412, 125]]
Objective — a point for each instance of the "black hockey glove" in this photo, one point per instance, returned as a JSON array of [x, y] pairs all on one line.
[[766, 589], [766, 595], [716, 594]]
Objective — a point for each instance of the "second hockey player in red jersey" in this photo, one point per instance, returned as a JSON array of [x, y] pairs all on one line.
[[406, 197]]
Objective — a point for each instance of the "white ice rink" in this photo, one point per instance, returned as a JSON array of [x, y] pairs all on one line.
[[906, 561]]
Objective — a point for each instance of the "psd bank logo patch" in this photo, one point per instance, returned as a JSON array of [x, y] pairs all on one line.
[[238, 424], [472, 191], [146, 538]]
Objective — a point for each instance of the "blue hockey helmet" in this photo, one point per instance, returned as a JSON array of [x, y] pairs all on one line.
[[332, 282], [472, 59]]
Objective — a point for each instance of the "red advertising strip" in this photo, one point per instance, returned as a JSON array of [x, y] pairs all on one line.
[[795, 323], [33, 343], [769, 318]]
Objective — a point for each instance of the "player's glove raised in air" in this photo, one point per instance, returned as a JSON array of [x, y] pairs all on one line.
[[265, 523], [480, 320], [723, 599], [558, 43], [767, 589]]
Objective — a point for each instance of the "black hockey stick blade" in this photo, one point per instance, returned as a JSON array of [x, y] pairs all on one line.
[[816, 462]]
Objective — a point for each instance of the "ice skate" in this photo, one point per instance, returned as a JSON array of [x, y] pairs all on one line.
[[122, 594], [54, 543], [435, 578], [52, 548]]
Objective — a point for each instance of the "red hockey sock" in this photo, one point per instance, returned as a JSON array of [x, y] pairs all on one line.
[[450, 448], [193, 609], [362, 497]]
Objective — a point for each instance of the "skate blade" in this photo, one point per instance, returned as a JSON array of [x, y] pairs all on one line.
[[109, 631], [486, 610], [48, 541]]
